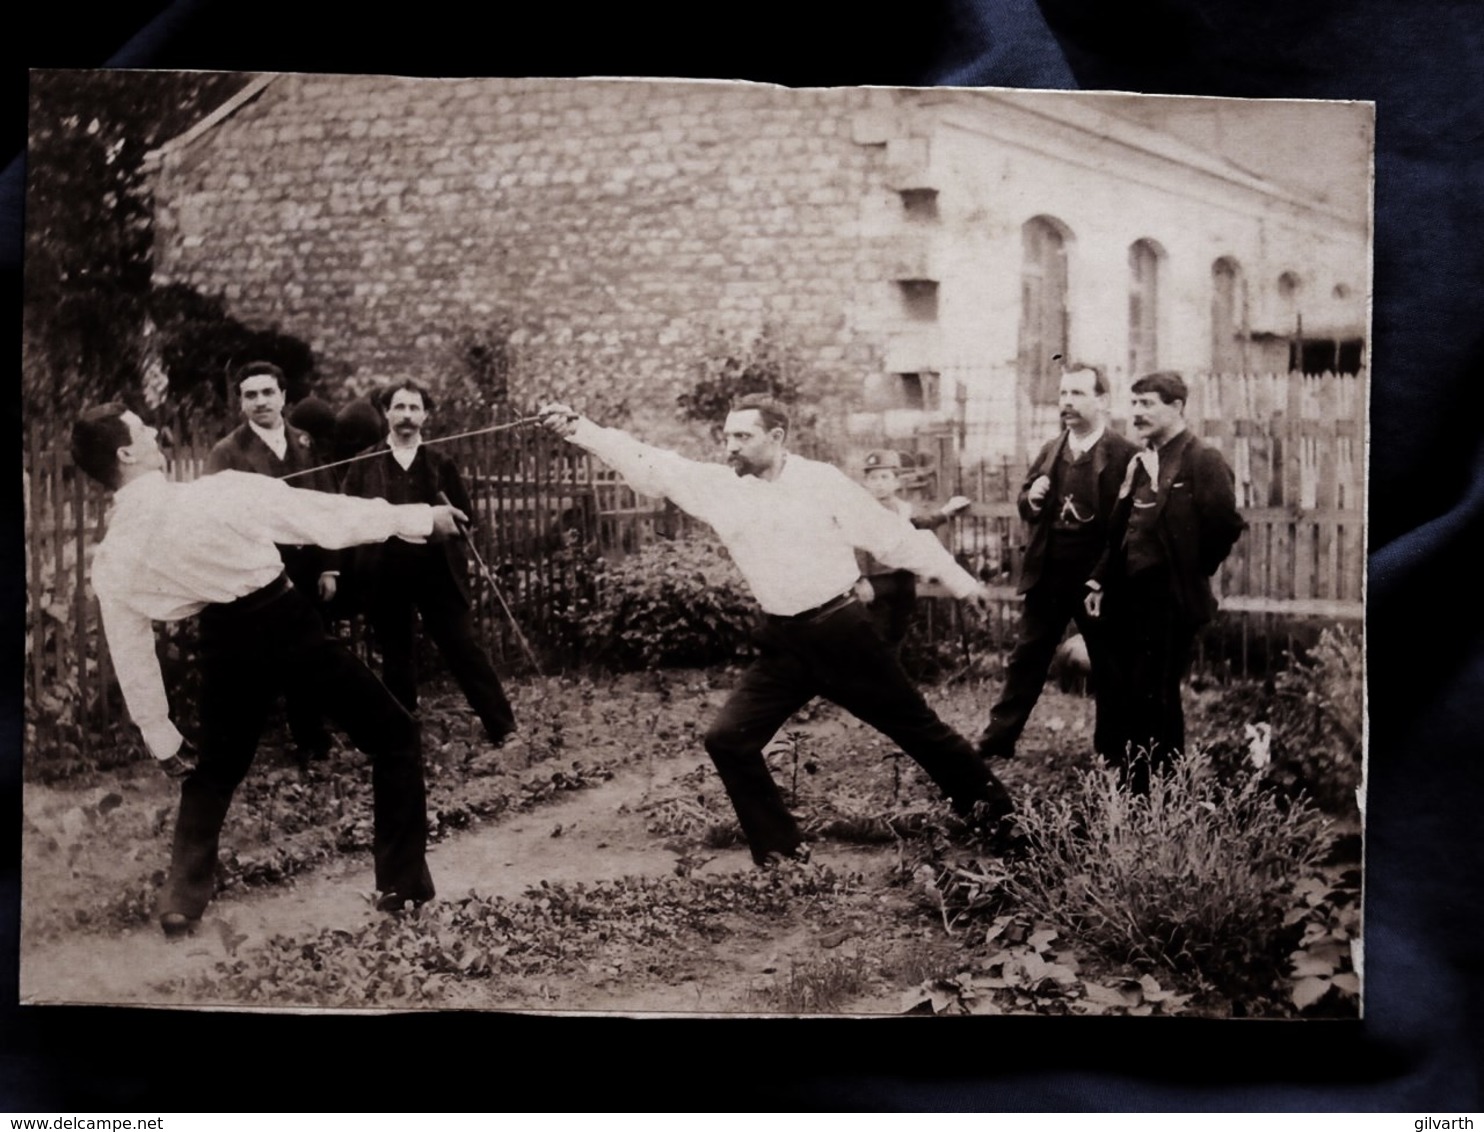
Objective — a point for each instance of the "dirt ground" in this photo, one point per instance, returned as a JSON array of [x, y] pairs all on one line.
[[591, 866]]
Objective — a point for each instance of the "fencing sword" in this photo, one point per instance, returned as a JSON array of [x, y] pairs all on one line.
[[489, 578], [382, 448]]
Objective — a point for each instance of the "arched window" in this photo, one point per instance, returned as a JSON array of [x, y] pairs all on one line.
[[1043, 307], [1143, 306], [1228, 316]]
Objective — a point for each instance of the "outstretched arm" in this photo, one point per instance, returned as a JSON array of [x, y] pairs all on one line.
[[287, 514], [697, 488]]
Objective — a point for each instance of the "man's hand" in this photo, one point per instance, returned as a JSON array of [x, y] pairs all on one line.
[[327, 583], [1040, 488], [955, 505], [446, 520], [980, 598], [1093, 603], [181, 763], [558, 418], [865, 593]]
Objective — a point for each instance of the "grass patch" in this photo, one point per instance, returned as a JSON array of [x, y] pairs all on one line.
[[1195, 876]]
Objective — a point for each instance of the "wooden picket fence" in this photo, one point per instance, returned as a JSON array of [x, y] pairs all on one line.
[[1295, 442]]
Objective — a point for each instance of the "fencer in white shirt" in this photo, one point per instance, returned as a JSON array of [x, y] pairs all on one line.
[[207, 548], [792, 526]]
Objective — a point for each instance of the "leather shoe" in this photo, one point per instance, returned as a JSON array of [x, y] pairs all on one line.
[[177, 925], [396, 902], [798, 855]]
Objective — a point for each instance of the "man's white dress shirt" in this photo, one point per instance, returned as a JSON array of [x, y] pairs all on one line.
[[173, 548], [793, 537]]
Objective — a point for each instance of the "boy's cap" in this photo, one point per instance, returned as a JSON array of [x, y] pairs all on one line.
[[883, 458]]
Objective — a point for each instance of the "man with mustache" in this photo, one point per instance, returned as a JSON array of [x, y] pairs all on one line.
[[265, 443], [1067, 499], [397, 580], [792, 526], [1175, 523]]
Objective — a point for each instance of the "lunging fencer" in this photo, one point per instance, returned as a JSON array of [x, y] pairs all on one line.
[[173, 550], [792, 526]]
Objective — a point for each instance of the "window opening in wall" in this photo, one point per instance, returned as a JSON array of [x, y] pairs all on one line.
[[1229, 323], [919, 299], [1044, 318], [920, 204], [1143, 307]]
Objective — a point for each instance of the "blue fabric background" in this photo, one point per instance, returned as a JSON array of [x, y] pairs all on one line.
[[1420, 1045]]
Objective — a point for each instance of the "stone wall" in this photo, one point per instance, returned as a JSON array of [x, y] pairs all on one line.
[[623, 229]]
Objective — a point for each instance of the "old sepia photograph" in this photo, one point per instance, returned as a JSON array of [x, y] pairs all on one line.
[[693, 548]]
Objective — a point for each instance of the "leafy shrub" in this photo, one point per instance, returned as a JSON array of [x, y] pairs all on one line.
[[1313, 710], [675, 603], [1193, 875]]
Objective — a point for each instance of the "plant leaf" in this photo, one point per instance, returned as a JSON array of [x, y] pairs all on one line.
[[1308, 991]]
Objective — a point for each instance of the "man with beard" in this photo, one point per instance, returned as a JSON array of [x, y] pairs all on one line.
[[792, 526], [397, 579], [1067, 499], [1175, 522], [269, 446]]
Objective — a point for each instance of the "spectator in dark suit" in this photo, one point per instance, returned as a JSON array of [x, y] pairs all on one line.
[[397, 579], [1175, 523], [1067, 499], [267, 444]]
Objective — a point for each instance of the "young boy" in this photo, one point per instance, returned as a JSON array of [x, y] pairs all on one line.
[[889, 594]]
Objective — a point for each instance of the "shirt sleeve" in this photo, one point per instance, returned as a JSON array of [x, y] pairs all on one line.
[[891, 538], [131, 644], [301, 515], [697, 488]]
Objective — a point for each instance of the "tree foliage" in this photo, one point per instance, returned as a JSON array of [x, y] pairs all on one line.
[[89, 227]]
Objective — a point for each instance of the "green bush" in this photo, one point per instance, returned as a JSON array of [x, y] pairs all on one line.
[[1314, 711], [1195, 875], [674, 603]]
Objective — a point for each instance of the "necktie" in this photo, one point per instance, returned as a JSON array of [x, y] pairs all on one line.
[[1149, 457]]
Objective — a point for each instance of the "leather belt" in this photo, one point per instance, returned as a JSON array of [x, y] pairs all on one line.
[[255, 600], [819, 612]]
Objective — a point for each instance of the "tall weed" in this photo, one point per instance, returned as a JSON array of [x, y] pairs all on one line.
[[1194, 875]]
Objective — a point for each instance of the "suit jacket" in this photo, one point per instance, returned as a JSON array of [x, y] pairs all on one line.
[[1110, 457], [369, 478], [242, 450], [1195, 521]]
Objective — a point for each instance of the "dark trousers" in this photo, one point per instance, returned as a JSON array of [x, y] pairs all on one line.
[[1054, 600], [428, 591], [249, 649], [891, 611], [1150, 642], [841, 657], [306, 717]]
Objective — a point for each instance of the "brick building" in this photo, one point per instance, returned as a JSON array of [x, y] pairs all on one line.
[[924, 253]]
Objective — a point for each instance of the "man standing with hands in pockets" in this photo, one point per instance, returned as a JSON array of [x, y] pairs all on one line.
[[792, 526]]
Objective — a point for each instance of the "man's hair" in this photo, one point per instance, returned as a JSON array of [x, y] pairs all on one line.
[[1166, 383], [259, 369], [769, 410], [97, 436], [384, 398], [1099, 375]]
